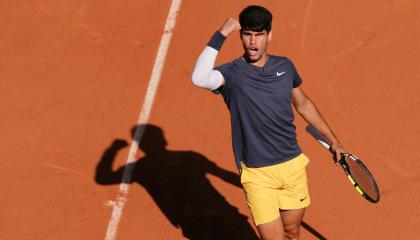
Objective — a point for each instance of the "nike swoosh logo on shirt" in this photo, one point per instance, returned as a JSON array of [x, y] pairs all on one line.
[[279, 74]]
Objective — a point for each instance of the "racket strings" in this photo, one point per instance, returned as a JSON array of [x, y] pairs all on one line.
[[362, 177]]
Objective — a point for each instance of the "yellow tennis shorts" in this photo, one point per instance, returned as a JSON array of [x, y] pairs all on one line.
[[281, 186]]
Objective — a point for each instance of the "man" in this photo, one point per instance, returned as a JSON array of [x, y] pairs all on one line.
[[259, 90]]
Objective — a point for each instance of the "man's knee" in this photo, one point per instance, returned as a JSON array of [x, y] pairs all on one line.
[[291, 232]]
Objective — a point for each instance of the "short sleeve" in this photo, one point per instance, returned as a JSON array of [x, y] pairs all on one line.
[[219, 90], [223, 69], [297, 81]]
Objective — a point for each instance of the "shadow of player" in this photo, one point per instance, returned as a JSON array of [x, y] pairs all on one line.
[[177, 182]]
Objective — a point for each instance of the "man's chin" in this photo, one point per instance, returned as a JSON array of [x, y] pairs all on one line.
[[253, 59]]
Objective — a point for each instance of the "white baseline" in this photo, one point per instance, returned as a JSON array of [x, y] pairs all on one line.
[[143, 118]]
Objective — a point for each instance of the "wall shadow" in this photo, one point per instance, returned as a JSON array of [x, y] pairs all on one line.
[[177, 182]]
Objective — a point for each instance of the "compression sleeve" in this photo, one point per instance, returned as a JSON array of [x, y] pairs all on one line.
[[204, 75]]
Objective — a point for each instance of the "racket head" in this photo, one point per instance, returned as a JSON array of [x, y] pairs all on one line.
[[361, 177], [357, 172]]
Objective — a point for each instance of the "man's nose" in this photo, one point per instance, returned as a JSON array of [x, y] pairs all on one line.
[[252, 39]]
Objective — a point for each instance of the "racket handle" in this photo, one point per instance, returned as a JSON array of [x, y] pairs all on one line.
[[323, 141]]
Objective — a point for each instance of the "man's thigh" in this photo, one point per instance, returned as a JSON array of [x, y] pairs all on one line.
[[292, 220], [272, 230]]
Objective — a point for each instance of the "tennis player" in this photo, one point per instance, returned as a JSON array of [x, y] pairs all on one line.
[[259, 90]]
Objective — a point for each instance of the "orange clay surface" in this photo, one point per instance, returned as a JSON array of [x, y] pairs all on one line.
[[73, 76]]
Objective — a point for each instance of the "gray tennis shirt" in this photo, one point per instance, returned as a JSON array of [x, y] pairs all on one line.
[[259, 101]]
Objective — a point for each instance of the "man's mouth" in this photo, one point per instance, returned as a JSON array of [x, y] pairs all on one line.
[[252, 51]]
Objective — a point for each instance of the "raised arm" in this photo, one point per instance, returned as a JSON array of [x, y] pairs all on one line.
[[104, 173], [307, 109], [204, 76]]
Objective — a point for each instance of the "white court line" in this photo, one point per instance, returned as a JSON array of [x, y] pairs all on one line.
[[142, 119]]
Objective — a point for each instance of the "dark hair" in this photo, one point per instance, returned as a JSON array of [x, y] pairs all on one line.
[[255, 18]]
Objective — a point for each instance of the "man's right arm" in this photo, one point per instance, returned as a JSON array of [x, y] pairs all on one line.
[[204, 75]]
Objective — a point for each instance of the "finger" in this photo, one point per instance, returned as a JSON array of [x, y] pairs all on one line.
[[234, 23], [339, 156], [337, 161], [334, 155]]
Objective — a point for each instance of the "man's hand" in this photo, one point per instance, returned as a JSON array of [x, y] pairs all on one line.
[[338, 149], [119, 143], [229, 27]]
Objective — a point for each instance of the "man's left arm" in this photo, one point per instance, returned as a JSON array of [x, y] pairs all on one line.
[[307, 109]]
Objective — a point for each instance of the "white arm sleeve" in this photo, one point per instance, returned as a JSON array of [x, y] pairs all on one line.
[[203, 75]]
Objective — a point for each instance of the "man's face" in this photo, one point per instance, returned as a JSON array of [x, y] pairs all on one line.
[[255, 43]]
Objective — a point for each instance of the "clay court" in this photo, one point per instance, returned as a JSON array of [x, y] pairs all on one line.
[[75, 83]]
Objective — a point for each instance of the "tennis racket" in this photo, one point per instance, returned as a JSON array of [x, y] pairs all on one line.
[[356, 171]]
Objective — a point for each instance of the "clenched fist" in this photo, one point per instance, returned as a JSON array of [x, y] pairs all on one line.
[[229, 27]]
